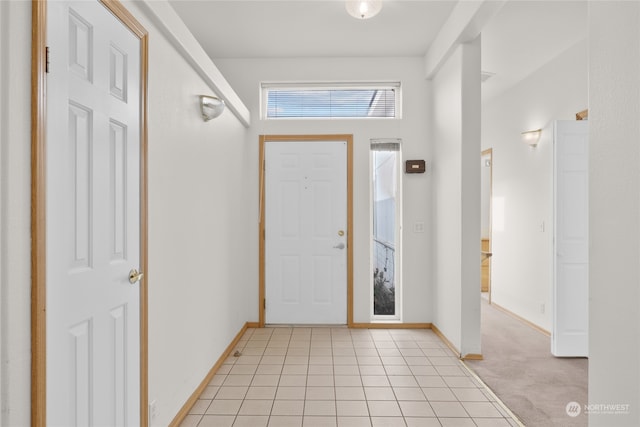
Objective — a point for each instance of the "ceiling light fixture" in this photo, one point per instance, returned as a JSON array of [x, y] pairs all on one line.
[[363, 9]]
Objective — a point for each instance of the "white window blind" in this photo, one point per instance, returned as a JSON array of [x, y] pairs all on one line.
[[386, 144], [324, 101]]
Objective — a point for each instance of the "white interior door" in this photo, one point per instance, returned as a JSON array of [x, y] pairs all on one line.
[[305, 232], [570, 336], [93, 218]]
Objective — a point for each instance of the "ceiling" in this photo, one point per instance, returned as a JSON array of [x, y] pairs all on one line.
[[311, 28], [523, 36]]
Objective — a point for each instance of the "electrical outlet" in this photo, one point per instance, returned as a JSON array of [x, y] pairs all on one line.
[[153, 410], [542, 308], [418, 227]]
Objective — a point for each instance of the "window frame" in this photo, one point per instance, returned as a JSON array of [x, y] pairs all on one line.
[[396, 85], [398, 285]]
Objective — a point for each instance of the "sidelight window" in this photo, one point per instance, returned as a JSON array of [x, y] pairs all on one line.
[[386, 222]]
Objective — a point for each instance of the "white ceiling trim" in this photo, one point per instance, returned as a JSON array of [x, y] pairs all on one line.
[[465, 23], [163, 16]]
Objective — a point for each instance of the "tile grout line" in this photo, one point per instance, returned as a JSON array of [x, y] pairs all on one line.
[[480, 385]]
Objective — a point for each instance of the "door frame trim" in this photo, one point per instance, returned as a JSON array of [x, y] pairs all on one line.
[[263, 140], [38, 206]]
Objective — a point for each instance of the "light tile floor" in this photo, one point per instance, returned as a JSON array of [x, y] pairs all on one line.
[[339, 377]]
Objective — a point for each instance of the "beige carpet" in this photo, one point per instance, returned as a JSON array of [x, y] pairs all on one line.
[[519, 368]]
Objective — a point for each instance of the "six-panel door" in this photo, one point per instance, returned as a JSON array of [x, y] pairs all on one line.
[[305, 232], [93, 217]]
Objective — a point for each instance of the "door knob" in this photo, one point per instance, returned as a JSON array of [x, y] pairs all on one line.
[[339, 246], [135, 276]]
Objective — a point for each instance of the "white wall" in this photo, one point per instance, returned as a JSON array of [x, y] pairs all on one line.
[[614, 209], [521, 278], [456, 205], [202, 254], [245, 76], [3, 110], [15, 203], [202, 282]]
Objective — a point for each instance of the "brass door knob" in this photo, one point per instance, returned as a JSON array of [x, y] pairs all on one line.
[[135, 276]]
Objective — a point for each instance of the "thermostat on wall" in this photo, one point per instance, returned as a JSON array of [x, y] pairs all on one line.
[[415, 166]]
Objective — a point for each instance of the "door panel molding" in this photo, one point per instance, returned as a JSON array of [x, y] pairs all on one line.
[[38, 205], [265, 139]]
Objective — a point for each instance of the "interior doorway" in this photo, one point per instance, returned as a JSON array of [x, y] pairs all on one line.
[[486, 174]]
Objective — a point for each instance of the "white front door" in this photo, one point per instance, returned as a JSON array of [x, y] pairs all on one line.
[[306, 232], [570, 336], [93, 218]]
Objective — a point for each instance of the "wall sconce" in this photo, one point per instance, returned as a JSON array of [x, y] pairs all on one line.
[[531, 137], [210, 107]]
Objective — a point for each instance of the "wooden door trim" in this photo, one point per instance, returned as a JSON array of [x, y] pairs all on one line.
[[38, 207], [38, 214], [263, 140]]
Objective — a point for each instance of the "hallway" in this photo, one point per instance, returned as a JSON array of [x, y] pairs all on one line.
[[324, 376], [519, 368]]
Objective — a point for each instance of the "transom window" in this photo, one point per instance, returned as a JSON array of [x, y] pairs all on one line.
[[330, 100]]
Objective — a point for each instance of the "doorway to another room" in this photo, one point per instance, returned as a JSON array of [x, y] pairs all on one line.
[[486, 173]]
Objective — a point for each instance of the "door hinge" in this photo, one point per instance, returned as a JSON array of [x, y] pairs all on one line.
[[264, 303], [46, 59]]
